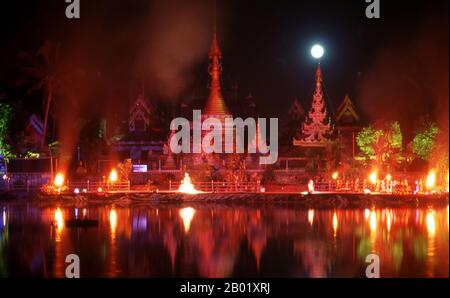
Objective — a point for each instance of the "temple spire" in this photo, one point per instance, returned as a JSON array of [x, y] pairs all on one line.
[[316, 128], [215, 104]]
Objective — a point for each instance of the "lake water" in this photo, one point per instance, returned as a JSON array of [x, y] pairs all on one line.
[[216, 240]]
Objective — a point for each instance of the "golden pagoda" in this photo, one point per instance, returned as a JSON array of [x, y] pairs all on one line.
[[215, 105]]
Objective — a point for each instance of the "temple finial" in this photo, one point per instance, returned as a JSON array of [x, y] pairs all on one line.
[[215, 104], [318, 74], [214, 50]]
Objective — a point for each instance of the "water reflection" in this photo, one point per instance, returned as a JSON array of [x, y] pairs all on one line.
[[3, 218], [187, 214], [58, 223], [113, 222], [335, 224], [311, 216], [389, 218], [223, 241]]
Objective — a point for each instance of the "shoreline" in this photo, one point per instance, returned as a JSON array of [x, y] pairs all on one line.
[[315, 200]]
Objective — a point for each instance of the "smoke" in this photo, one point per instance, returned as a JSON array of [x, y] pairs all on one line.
[[178, 34], [160, 48], [410, 79]]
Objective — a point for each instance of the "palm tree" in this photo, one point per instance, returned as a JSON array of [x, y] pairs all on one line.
[[45, 73]]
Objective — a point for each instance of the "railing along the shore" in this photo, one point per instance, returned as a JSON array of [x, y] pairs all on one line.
[[97, 186], [220, 186], [24, 182]]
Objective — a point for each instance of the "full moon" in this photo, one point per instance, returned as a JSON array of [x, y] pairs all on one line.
[[317, 51]]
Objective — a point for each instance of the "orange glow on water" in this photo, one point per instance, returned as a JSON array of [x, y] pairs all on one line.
[[335, 223], [59, 219], [388, 219], [404, 238], [310, 216], [431, 223], [59, 222], [366, 214], [373, 221], [113, 221], [187, 214]]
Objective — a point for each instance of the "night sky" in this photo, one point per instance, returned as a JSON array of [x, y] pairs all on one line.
[[395, 67]]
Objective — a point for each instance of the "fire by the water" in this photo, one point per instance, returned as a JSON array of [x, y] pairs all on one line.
[[186, 186], [431, 180]]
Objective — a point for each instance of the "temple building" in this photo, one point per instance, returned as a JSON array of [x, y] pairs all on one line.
[[316, 130], [215, 106], [139, 143], [34, 128], [347, 125]]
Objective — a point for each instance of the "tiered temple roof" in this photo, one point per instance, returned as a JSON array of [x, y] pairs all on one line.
[[316, 129], [346, 113], [139, 115]]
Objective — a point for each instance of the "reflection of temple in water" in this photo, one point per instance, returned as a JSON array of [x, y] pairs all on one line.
[[230, 241]]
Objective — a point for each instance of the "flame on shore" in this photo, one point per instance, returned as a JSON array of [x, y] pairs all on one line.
[[186, 185], [431, 179], [373, 177], [59, 180], [310, 186], [113, 176], [335, 175]]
